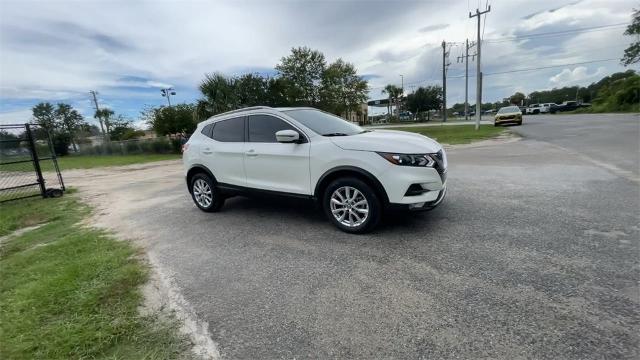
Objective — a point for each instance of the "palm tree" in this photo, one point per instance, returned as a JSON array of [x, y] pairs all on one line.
[[104, 115], [394, 93], [219, 95]]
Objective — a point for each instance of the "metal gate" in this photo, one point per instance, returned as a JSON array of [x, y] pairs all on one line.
[[28, 164]]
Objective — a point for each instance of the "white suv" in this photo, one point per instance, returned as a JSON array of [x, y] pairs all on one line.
[[304, 152]]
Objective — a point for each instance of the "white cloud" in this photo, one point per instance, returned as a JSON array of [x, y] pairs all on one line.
[[15, 117], [579, 74], [127, 49]]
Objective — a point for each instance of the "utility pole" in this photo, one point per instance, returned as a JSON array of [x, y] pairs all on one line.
[[402, 92], [95, 102], [478, 71], [465, 59], [445, 64]]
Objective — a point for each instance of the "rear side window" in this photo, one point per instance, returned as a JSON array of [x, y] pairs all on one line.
[[263, 128], [206, 131], [231, 130]]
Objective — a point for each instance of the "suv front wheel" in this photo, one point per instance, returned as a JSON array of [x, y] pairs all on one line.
[[352, 205], [205, 194]]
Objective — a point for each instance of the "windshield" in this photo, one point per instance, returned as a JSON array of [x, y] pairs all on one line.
[[323, 123], [508, 109]]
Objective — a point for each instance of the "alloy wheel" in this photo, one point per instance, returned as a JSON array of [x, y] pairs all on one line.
[[349, 206], [202, 193]]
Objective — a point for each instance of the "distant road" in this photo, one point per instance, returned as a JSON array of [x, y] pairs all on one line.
[[610, 140], [613, 140]]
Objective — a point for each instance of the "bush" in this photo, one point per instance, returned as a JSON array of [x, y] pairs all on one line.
[[61, 144], [153, 146]]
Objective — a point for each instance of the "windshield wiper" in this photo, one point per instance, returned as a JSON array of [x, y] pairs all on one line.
[[335, 134]]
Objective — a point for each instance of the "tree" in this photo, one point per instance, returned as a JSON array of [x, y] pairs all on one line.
[[219, 96], [632, 53], [171, 120], [250, 90], [394, 93], [44, 115], [121, 128], [342, 90], [106, 115], [69, 120], [303, 69], [278, 92], [425, 99], [517, 98]]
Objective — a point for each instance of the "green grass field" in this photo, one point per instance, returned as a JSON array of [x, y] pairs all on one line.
[[455, 134], [87, 162], [69, 291]]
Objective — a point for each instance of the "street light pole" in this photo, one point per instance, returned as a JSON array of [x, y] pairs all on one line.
[[167, 92]]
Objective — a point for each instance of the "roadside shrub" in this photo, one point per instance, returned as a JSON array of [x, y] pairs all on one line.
[[176, 145], [132, 147], [61, 144], [148, 146]]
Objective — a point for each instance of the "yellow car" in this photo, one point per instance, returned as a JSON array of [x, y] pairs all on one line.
[[508, 115]]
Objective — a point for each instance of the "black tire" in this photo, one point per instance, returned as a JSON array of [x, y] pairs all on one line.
[[373, 202], [520, 123], [217, 199]]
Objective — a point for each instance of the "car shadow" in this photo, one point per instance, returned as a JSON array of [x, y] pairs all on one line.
[[277, 208]]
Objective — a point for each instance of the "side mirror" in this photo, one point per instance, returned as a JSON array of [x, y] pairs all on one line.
[[287, 136]]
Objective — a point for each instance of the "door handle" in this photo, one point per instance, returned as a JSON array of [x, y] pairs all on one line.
[[251, 153]]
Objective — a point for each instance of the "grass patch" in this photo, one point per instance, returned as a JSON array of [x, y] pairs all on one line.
[[87, 162], [455, 134], [69, 291]]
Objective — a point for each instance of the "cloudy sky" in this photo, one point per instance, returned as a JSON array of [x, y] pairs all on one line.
[[128, 50]]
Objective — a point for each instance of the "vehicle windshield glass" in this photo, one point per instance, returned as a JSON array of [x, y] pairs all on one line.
[[509, 109], [323, 123]]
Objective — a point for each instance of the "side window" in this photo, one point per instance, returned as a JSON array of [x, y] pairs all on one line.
[[231, 130], [263, 128], [206, 131]]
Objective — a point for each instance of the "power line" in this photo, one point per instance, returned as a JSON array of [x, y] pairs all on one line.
[[556, 33], [550, 66]]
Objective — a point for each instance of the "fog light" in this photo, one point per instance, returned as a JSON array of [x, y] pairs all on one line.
[[416, 205]]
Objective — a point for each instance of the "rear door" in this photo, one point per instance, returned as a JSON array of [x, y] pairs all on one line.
[[223, 151], [275, 166]]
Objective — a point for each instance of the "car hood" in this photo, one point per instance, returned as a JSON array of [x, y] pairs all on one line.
[[401, 142]]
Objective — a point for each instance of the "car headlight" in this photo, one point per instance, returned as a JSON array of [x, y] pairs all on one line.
[[420, 160]]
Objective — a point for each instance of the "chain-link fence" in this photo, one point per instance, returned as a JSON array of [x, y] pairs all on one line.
[[28, 165]]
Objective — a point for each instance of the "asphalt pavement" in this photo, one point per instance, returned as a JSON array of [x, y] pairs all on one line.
[[533, 254]]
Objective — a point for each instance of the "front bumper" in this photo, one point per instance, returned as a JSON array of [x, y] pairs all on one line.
[[426, 206], [415, 188]]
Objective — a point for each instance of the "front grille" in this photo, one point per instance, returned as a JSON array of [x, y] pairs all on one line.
[[508, 117]]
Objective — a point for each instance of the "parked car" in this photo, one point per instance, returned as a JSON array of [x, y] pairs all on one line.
[[406, 116], [306, 153], [508, 115], [535, 109], [570, 106]]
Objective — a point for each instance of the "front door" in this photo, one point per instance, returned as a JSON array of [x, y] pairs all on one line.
[[270, 165]]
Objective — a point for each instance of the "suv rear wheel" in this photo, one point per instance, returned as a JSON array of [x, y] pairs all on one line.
[[352, 205], [205, 194]]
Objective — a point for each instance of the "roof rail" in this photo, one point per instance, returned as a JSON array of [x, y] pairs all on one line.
[[243, 109]]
